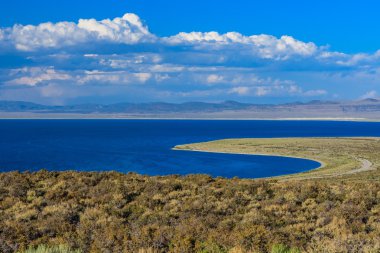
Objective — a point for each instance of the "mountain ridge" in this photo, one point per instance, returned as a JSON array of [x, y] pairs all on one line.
[[366, 108]]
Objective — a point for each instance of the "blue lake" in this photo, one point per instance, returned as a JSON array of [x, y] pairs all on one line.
[[144, 146]]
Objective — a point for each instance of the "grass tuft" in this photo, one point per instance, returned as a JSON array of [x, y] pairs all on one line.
[[51, 249], [280, 248]]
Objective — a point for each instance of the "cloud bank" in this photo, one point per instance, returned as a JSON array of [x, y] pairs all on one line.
[[121, 60]]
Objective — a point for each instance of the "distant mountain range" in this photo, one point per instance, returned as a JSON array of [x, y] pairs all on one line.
[[367, 108]]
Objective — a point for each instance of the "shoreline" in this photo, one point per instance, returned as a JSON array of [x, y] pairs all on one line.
[[200, 119]]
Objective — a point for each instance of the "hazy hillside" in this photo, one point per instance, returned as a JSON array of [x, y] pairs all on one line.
[[368, 108]]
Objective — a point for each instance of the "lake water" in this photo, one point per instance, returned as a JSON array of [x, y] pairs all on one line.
[[144, 146]]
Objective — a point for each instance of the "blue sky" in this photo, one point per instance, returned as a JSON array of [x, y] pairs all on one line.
[[64, 52]]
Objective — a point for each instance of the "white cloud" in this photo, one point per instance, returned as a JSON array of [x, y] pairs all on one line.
[[166, 68], [353, 60], [213, 78], [126, 30], [274, 88], [161, 77], [264, 46], [91, 55], [46, 35], [240, 90], [50, 77], [36, 75], [198, 37], [112, 77], [143, 77], [262, 91], [369, 94], [124, 61], [314, 93]]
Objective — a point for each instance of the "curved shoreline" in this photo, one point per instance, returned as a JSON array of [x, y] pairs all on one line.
[[337, 156], [321, 163]]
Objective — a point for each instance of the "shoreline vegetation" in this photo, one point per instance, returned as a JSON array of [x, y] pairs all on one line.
[[332, 209]]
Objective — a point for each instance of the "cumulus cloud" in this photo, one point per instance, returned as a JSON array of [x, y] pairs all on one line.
[[265, 46], [126, 30]]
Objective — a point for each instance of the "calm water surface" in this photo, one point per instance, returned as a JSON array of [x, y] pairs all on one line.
[[144, 146]]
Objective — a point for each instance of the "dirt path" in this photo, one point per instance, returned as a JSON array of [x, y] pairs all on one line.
[[365, 166]]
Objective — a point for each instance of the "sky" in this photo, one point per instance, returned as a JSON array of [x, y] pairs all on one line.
[[111, 51]]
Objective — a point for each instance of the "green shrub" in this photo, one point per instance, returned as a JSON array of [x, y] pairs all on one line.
[[280, 248], [53, 249]]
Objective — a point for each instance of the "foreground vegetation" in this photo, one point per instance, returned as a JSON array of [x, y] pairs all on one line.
[[114, 212], [64, 249], [53, 249]]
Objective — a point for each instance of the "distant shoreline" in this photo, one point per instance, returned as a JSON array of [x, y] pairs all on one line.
[[366, 110], [81, 117]]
